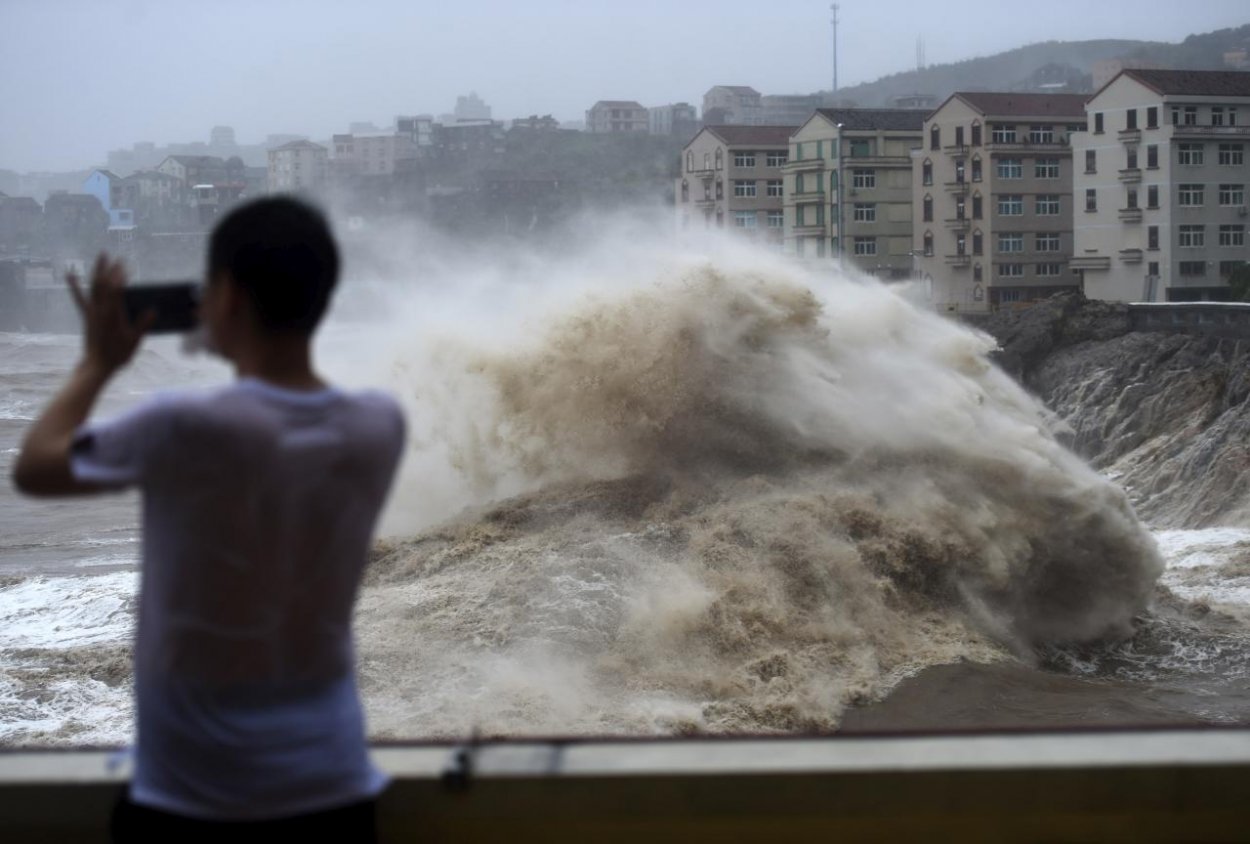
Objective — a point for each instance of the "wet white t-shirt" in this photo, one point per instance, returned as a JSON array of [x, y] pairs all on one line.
[[259, 506]]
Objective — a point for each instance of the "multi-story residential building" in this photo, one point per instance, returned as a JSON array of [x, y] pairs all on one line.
[[372, 154], [992, 187], [612, 116], [788, 109], [848, 190], [732, 177], [734, 105], [297, 166], [1161, 181], [681, 119], [105, 185]]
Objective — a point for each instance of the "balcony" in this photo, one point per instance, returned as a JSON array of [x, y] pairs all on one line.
[[958, 223], [1230, 132], [1131, 256], [705, 201], [1056, 145], [957, 187], [958, 260], [810, 229], [1130, 175], [955, 149], [1130, 215], [804, 165], [1130, 136], [705, 175], [876, 161], [1090, 262]]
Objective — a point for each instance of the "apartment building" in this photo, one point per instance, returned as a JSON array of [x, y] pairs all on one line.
[[681, 119], [372, 153], [848, 193], [992, 183], [732, 177], [733, 105], [297, 166], [614, 116], [1161, 185]]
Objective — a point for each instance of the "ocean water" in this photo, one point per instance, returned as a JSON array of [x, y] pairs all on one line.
[[698, 495]]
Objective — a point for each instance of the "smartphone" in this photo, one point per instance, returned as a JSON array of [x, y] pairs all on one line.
[[176, 304]]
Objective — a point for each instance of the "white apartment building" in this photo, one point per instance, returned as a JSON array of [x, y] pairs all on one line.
[[736, 105], [732, 178], [992, 185], [1161, 185], [373, 154], [848, 194], [612, 116], [297, 166]]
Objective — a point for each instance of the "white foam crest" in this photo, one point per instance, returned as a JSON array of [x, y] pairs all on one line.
[[64, 612]]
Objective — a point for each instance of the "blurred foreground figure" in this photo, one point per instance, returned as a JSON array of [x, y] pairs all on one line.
[[259, 505]]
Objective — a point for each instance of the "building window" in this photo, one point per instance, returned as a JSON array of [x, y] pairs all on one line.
[[775, 159], [744, 188], [1152, 237], [1191, 237], [745, 219], [861, 178], [1227, 268], [1041, 134], [1193, 269], [720, 189], [959, 171], [1130, 198], [1130, 119], [1152, 196], [976, 169], [1091, 199], [1098, 123], [775, 187], [961, 244], [1217, 116], [959, 136], [1011, 243], [1002, 134], [1189, 195], [861, 148], [1152, 117], [865, 212], [926, 172], [935, 137], [1091, 161], [1189, 154], [1010, 271], [865, 246], [1191, 116], [1130, 158], [978, 242], [1232, 155], [1011, 205], [685, 191], [1049, 270], [1010, 168], [1046, 168], [720, 159], [976, 206], [976, 134], [976, 276], [1232, 235], [744, 159], [1152, 157], [776, 219], [1232, 195], [960, 208], [928, 209], [1046, 243], [928, 244]]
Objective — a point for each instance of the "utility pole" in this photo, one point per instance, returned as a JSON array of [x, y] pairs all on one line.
[[833, 7]]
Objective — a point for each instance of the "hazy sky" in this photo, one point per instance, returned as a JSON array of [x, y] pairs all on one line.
[[81, 77]]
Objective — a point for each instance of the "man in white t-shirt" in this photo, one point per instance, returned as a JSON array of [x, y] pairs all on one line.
[[259, 505]]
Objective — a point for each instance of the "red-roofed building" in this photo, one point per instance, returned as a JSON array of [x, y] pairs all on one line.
[[731, 177], [992, 195]]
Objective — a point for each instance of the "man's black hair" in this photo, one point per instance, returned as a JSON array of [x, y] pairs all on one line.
[[280, 251]]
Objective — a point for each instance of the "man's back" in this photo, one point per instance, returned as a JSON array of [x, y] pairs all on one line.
[[259, 506]]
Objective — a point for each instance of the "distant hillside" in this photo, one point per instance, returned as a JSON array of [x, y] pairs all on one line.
[[1025, 68]]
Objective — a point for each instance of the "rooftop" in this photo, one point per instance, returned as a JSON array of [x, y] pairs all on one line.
[[617, 104], [753, 135], [896, 119], [1024, 105], [295, 145], [1202, 83]]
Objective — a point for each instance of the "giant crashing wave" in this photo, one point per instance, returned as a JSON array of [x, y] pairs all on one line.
[[745, 499]]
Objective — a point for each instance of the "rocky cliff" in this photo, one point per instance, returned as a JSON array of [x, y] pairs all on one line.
[[1164, 414]]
